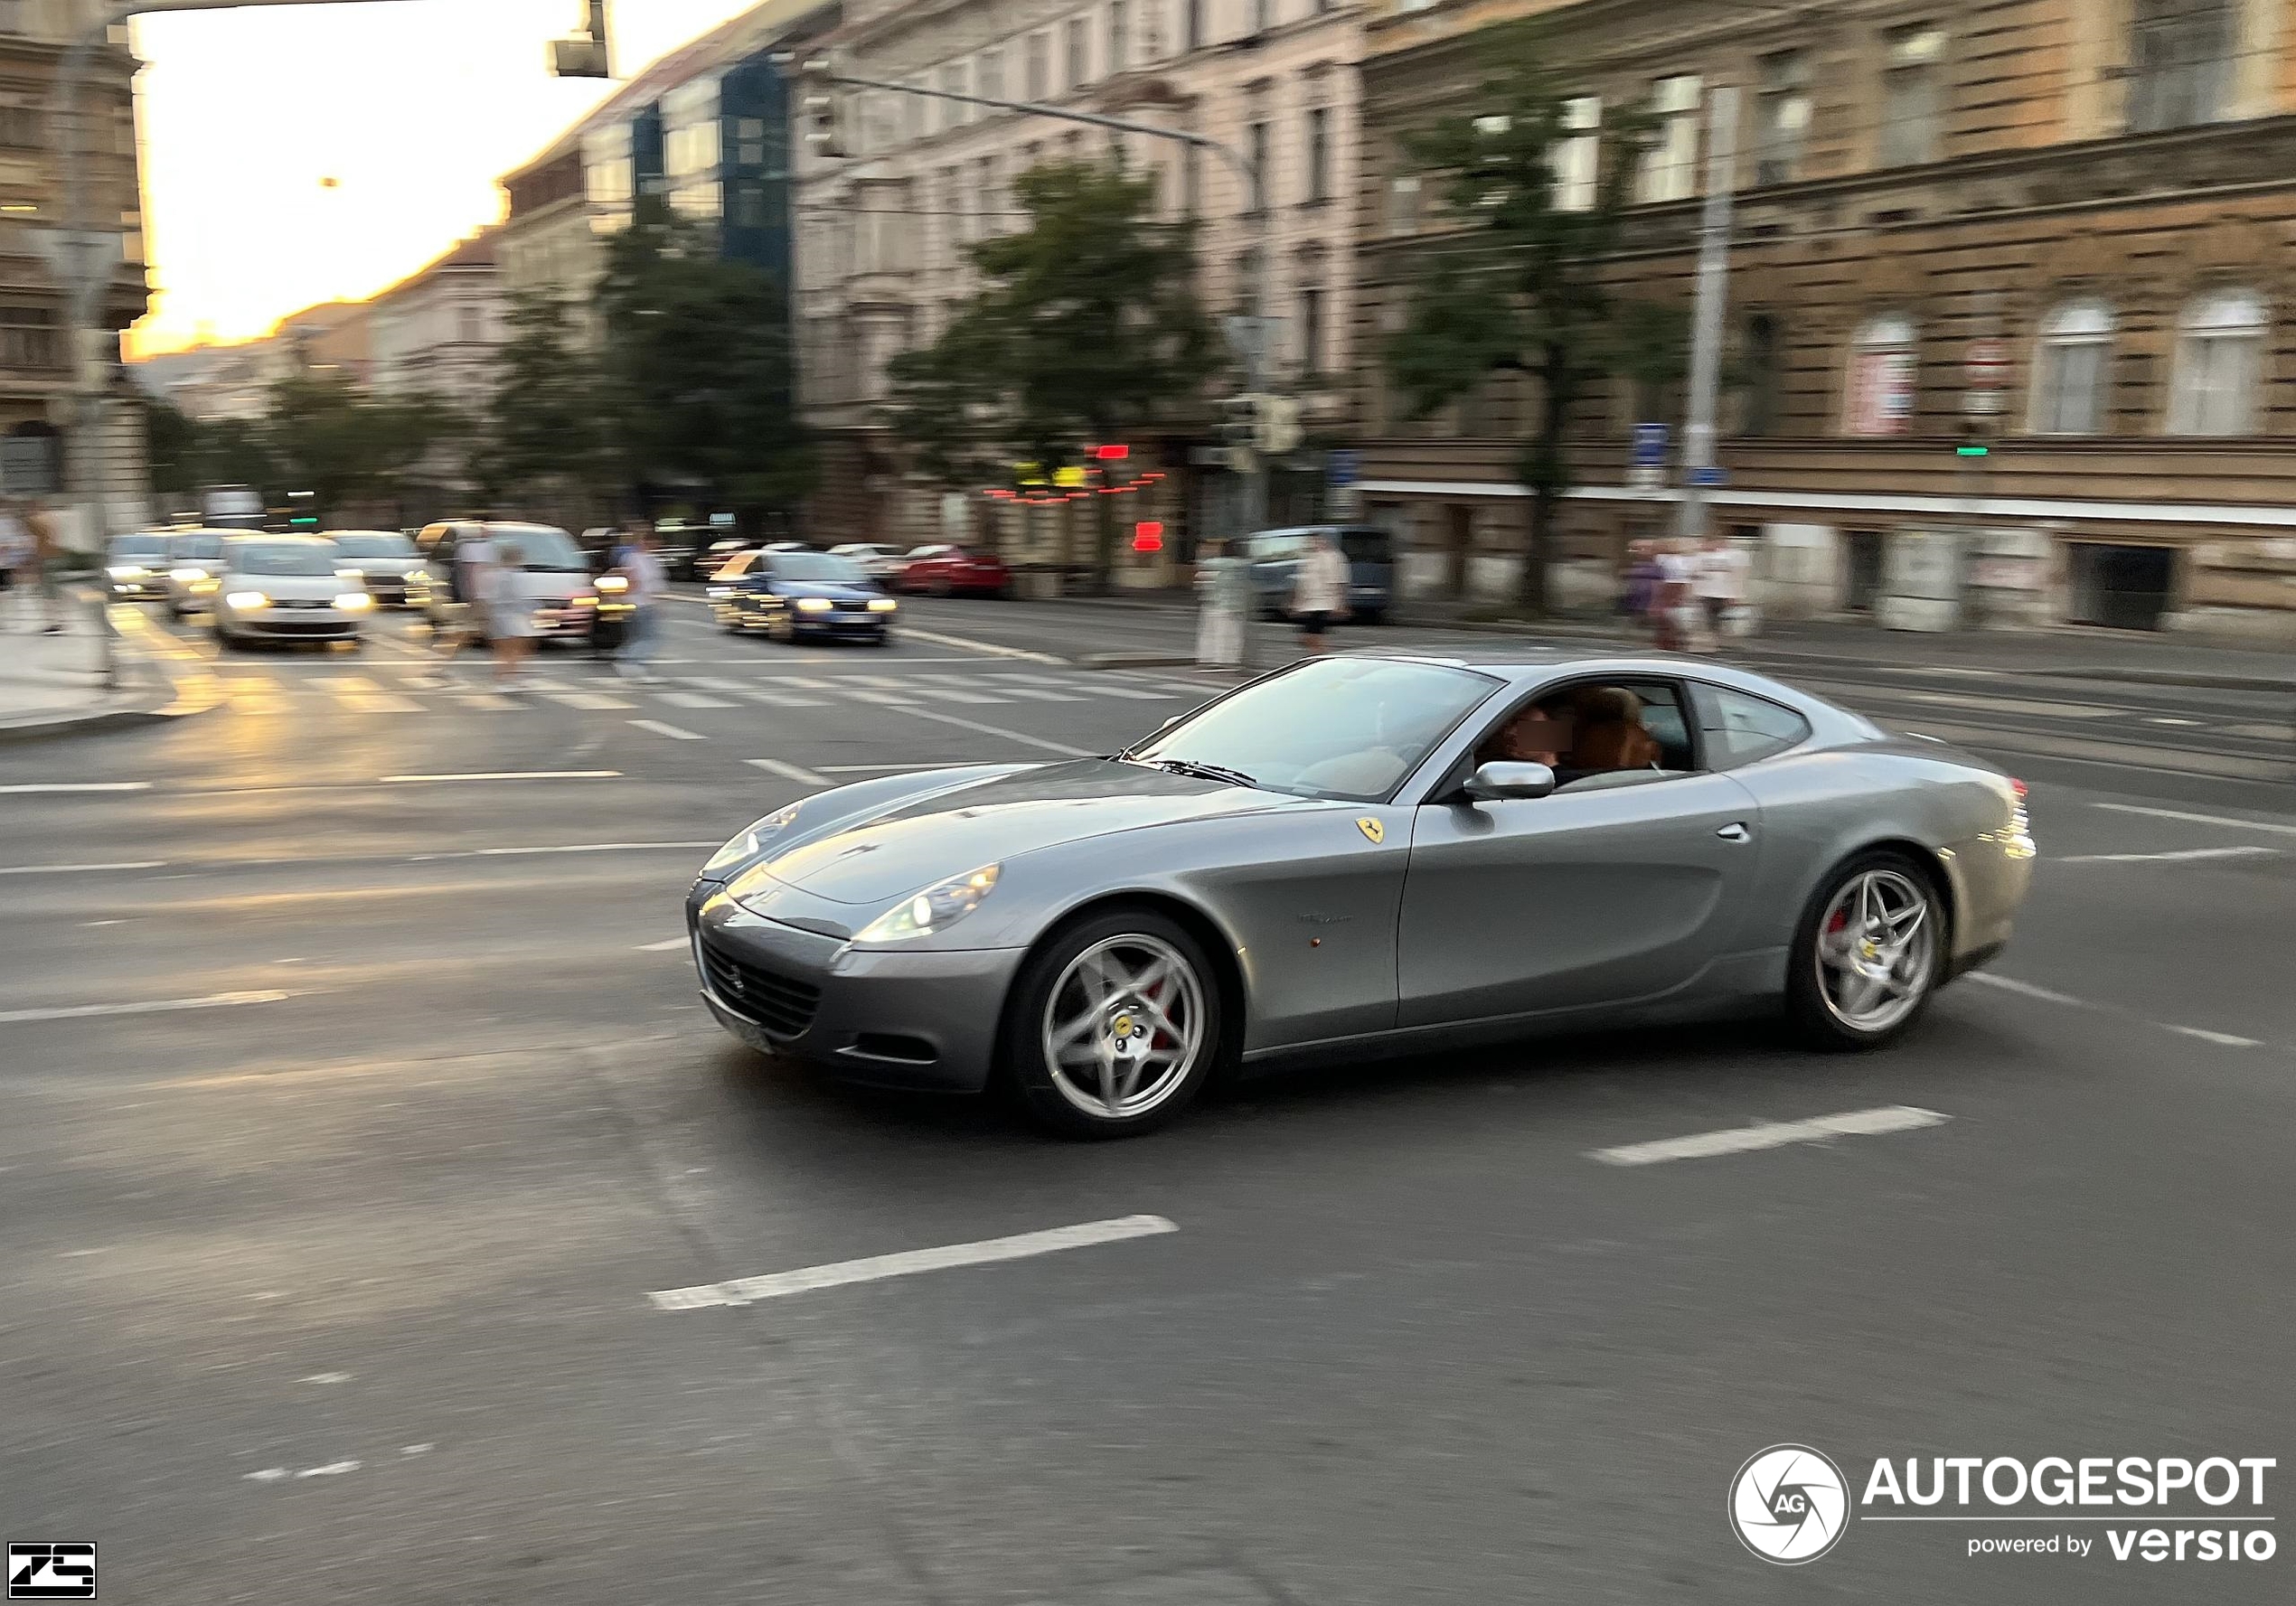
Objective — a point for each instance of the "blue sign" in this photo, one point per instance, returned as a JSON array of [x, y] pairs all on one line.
[[1708, 478], [1650, 446], [1343, 468]]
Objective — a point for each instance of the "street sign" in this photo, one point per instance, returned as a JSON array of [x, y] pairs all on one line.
[[1343, 468], [1650, 446], [1707, 476]]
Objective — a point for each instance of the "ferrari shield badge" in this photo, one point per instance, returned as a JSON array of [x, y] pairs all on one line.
[[1371, 829]]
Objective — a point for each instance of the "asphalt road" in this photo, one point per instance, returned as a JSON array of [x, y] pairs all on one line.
[[357, 1099]]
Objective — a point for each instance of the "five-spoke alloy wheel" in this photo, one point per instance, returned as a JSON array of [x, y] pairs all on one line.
[[1869, 951]]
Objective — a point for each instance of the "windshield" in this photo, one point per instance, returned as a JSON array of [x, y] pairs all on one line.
[[196, 546], [1367, 546], [282, 559], [139, 545], [816, 566], [540, 547], [1337, 728], [360, 544]]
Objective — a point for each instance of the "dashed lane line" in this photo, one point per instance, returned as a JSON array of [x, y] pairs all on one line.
[[788, 771], [1746, 1140], [746, 1291], [665, 946], [993, 649], [29, 787], [510, 775], [2178, 856], [2191, 819], [565, 847], [1011, 735], [2027, 989], [2222, 1039], [674, 732], [213, 1001], [692, 700], [82, 869]]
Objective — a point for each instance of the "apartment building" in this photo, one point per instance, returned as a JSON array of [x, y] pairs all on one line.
[[883, 228], [2059, 227], [37, 354], [435, 332]]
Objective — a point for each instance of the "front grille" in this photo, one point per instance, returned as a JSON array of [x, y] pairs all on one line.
[[303, 626], [781, 1004]]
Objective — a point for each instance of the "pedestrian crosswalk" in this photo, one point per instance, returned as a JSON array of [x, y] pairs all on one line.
[[413, 692]]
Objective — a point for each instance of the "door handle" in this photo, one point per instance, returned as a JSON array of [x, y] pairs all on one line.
[[1733, 832]]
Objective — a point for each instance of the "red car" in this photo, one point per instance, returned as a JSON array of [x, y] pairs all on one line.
[[943, 571]]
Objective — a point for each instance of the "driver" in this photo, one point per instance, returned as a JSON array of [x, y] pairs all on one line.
[[1534, 736]]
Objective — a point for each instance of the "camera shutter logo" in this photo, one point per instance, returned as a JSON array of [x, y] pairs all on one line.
[[52, 1570], [1789, 1504]]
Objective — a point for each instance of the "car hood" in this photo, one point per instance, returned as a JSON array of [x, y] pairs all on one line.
[[289, 587], [947, 833], [383, 566]]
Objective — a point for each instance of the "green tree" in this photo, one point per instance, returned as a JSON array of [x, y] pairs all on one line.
[[698, 367], [172, 445], [326, 435], [1527, 289], [547, 419], [1087, 327]]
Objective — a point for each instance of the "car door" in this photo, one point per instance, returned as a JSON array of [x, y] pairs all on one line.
[[1584, 897]]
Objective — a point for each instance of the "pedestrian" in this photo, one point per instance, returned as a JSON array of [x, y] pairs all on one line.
[[47, 556], [1219, 616], [1639, 599], [509, 613], [1319, 589], [642, 570], [15, 553], [462, 619], [1676, 608], [1721, 586]]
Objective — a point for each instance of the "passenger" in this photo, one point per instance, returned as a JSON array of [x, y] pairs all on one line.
[[1607, 733]]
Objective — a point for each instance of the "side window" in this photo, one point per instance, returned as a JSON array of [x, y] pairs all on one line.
[[1743, 728]]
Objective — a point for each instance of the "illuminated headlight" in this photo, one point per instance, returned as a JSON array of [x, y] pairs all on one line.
[[349, 573], [205, 583], [933, 909], [187, 576], [812, 605], [354, 602], [611, 584], [248, 599], [128, 571], [882, 605], [747, 844]]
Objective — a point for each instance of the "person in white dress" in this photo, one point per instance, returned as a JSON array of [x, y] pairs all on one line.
[[510, 615]]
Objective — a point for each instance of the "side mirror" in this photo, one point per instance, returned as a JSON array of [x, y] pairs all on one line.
[[1491, 782]]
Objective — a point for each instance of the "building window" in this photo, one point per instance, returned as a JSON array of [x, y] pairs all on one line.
[[1913, 70], [2180, 63], [1255, 147], [19, 128], [31, 337], [1192, 26], [1319, 154], [1761, 375], [1578, 160], [1782, 115], [1670, 166], [992, 203], [993, 74], [1079, 54], [2069, 368], [1311, 330], [1040, 69], [2220, 351], [1119, 36], [952, 83], [1883, 366], [1403, 203]]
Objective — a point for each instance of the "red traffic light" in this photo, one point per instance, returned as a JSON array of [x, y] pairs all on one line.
[[1148, 536], [1112, 453]]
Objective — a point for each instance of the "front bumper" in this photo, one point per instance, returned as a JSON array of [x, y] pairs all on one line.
[[283, 622], [888, 1019], [138, 589]]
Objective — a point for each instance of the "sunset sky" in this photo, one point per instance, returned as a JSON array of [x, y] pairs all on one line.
[[415, 108]]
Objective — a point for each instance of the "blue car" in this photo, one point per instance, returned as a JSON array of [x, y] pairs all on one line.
[[789, 595]]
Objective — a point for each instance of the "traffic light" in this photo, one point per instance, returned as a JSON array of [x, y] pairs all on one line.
[[588, 54]]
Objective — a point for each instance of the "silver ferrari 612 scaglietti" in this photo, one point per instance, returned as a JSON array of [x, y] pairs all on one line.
[[1367, 854]]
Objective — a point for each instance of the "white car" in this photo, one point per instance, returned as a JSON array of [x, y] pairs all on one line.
[[877, 560], [286, 588], [380, 558], [194, 560]]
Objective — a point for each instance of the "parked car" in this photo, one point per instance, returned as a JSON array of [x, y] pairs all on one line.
[[880, 561], [556, 572], [948, 570], [1369, 551], [788, 595], [380, 558], [285, 588], [137, 564], [194, 562]]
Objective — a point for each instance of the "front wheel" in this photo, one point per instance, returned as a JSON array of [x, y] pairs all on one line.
[[1868, 952], [1114, 1026]]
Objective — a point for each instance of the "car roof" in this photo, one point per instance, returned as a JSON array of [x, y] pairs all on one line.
[[284, 538], [1527, 663]]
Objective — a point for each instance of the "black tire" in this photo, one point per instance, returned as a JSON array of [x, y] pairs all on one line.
[[1811, 1008], [1043, 1091]]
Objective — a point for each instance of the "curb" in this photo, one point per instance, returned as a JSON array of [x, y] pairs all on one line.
[[163, 698]]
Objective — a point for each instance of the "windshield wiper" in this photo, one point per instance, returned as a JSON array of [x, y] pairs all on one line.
[[1204, 772]]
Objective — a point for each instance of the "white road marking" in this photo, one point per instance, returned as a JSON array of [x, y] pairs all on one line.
[[692, 700], [345, 682], [713, 683], [2182, 853], [675, 733], [76, 786], [332, 1469], [573, 847], [493, 701], [909, 684], [379, 702], [328, 1377], [2027, 989], [2222, 1039], [2168, 719], [895, 700], [214, 1001], [895, 769], [788, 771], [1096, 687], [662, 948], [744, 1290], [1033, 693], [1743, 1140], [782, 699], [993, 649], [514, 774], [2286, 831], [1011, 735], [74, 869], [589, 700]]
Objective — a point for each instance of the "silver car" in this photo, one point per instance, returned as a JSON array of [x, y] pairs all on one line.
[[194, 563], [380, 559], [286, 588], [1365, 854]]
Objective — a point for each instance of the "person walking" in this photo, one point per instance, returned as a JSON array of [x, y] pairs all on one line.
[[509, 615], [1674, 605], [15, 555], [642, 567], [1721, 580], [47, 553], [1639, 600], [1319, 589]]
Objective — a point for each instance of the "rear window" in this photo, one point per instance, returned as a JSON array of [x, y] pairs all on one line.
[[358, 544], [1368, 545], [540, 547], [1743, 728]]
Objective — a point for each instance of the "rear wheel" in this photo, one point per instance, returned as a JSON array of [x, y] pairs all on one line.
[[1868, 953], [1114, 1026]]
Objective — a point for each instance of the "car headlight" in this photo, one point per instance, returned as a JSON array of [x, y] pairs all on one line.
[[187, 576], [747, 844], [812, 605], [933, 909], [205, 583], [611, 584], [349, 573], [882, 605], [128, 571], [352, 602], [248, 599]]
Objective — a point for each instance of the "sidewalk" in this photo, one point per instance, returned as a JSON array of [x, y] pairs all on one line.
[[53, 684]]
